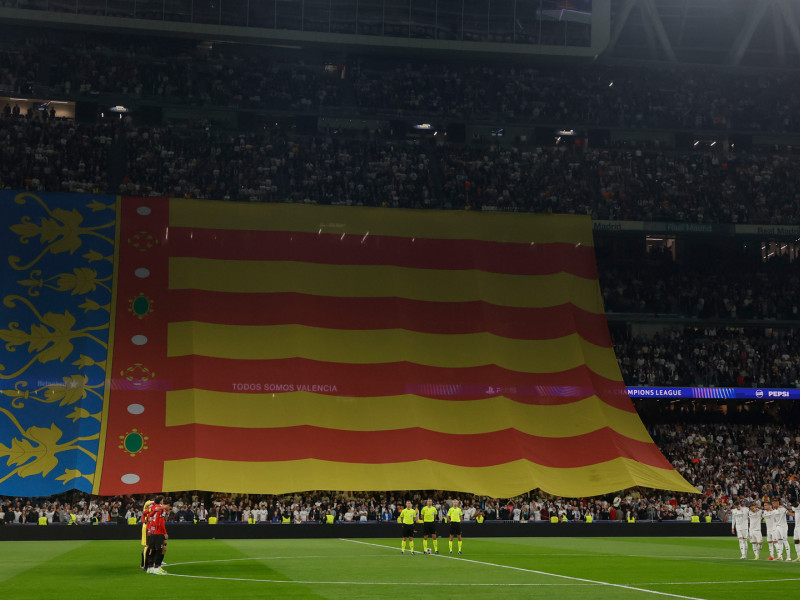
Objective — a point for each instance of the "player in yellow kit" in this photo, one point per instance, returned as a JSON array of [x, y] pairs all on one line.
[[428, 514], [145, 513], [407, 518], [454, 516]]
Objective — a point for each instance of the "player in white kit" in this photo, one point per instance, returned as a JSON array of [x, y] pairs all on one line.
[[756, 539], [740, 526], [781, 528], [769, 520], [795, 512], [775, 519]]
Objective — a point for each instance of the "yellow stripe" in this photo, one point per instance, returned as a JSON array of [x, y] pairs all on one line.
[[271, 342], [502, 481], [493, 227], [110, 356], [291, 409], [367, 281]]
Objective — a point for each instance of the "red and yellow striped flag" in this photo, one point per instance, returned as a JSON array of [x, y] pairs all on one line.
[[280, 348]]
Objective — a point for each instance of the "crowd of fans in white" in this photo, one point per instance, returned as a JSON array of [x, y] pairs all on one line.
[[270, 166], [40, 152], [732, 284], [188, 72], [56, 156], [710, 357]]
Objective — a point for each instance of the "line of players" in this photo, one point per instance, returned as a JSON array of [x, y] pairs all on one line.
[[154, 536], [746, 521], [427, 516]]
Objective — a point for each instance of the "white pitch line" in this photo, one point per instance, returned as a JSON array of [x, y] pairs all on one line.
[[723, 582], [400, 583], [583, 556], [457, 584], [591, 581], [432, 584], [216, 560]]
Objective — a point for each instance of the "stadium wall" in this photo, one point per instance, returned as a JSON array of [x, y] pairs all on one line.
[[359, 530], [600, 34]]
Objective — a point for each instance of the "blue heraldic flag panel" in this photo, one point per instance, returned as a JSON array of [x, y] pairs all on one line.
[[56, 274]]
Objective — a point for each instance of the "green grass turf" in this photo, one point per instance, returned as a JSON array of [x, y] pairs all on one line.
[[706, 568]]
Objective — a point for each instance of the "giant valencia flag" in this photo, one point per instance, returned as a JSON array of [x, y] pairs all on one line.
[[280, 348], [154, 344]]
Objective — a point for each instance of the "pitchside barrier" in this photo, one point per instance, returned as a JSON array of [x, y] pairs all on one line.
[[177, 531]]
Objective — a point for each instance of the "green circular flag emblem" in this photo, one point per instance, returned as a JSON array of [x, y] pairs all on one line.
[[133, 442], [141, 306]]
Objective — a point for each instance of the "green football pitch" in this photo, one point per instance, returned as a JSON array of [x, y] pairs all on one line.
[[558, 568]]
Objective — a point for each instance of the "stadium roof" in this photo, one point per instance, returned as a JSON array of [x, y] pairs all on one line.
[[762, 33], [755, 33]]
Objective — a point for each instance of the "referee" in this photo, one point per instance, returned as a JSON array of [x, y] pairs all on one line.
[[454, 516], [428, 514], [407, 518]]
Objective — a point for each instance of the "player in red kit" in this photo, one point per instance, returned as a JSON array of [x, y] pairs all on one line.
[[157, 535]]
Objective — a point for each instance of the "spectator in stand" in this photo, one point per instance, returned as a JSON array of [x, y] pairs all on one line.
[[710, 357], [270, 165], [196, 73], [730, 285]]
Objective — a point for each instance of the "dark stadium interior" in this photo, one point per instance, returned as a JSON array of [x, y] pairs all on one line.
[[684, 149]]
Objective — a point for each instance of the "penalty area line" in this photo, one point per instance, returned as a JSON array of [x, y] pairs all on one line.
[[569, 577]]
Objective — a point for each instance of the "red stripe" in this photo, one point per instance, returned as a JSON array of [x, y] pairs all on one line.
[[326, 248], [382, 447], [388, 313], [393, 379], [131, 361]]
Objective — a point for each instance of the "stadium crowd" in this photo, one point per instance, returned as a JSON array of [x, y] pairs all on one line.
[[710, 357], [192, 73], [626, 97], [53, 155], [269, 164], [734, 284]]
